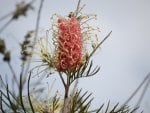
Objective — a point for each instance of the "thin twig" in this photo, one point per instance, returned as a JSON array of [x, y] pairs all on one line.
[[62, 79], [6, 88], [75, 86], [7, 15], [23, 64], [78, 6], [99, 44], [36, 34], [10, 101], [20, 94], [143, 92], [5, 25], [38, 22], [13, 72], [5, 99], [29, 98], [21, 73], [135, 92]]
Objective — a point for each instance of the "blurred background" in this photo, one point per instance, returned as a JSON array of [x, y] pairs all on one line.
[[124, 57]]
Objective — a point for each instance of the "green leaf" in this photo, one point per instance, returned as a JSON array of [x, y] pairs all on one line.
[[20, 94], [13, 106], [30, 102]]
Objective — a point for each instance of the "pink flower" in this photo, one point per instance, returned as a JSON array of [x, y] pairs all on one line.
[[69, 44]]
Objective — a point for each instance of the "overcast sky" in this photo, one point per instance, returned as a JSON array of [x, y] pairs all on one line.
[[124, 58]]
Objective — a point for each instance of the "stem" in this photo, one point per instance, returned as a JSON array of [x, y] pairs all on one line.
[[75, 86], [76, 12], [20, 94], [36, 34], [135, 92], [13, 72], [62, 79], [21, 74], [143, 93], [8, 91], [67, 86], [5, 16], [29, 98], [5, 25], [100, 44], [10, 101]]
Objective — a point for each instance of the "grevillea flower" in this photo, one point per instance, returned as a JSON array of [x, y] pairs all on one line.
[[70, 35], [69, 44]]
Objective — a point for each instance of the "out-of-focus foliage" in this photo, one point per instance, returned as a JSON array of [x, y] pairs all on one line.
[[13, 99]]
